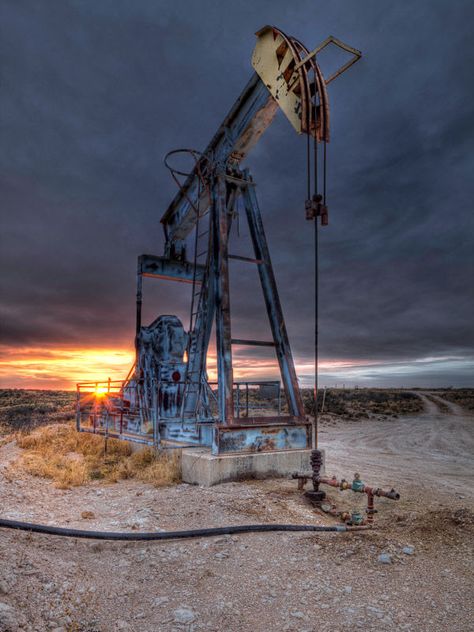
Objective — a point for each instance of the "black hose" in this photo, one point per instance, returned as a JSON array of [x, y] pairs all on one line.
[[167, 535]]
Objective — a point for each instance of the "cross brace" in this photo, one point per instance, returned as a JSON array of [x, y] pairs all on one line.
[[221, 228]]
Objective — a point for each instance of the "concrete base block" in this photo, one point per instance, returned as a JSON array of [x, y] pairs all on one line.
[[200, 467]]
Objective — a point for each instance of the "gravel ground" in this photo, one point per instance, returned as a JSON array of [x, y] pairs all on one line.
[[256, 582]]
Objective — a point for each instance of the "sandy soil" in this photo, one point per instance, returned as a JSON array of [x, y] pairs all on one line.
[[257, 582], [429, 450]]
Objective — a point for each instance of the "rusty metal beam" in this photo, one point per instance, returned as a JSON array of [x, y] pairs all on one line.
[[250, 116], [269, 436], [356, 55], [245, 259], [252, 343], [164, 268]]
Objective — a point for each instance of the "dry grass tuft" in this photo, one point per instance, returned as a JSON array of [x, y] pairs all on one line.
[[70, 459], [163, 471]]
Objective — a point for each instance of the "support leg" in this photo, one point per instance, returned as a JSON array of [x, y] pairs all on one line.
[[221, 281], [272, 302]]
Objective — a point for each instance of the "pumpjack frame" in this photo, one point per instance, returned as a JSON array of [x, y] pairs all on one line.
[[167, 399]]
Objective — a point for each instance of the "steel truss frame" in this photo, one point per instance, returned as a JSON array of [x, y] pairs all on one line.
[[181, 409]]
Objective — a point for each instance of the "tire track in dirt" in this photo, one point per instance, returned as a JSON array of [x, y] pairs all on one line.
[[433, 448]]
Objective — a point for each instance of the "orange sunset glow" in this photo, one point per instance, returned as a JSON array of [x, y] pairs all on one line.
[[62, 367]]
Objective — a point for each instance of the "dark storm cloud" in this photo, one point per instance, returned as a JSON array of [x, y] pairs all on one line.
[[94, 94]]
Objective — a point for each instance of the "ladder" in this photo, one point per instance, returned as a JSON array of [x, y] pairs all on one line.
[[197, 390], [194, 400]]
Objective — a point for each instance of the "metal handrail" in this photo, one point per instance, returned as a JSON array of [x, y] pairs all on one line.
[[103, 407]]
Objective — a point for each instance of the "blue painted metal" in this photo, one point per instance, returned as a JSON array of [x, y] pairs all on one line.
[[261, 437], [272, 302], [167, 393], [221, 220], [168, 269], [160, 369], [247, 120], [191, 433], [357, 485]]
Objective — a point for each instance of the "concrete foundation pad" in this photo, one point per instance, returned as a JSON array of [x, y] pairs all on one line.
[[200, 467]]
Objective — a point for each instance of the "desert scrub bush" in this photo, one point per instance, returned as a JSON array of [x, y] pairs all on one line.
[[23, 410], [358, 403], [463, 397], [69, 458], [333, 402]]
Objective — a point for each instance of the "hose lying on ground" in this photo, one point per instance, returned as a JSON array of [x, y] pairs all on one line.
[[169, 535]]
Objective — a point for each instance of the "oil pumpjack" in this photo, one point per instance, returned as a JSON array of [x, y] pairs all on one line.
[[167, 398]]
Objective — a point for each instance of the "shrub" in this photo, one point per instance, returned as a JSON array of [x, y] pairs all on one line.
[[70, 458]]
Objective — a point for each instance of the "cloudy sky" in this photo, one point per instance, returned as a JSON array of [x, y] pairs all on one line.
[[93, 93]]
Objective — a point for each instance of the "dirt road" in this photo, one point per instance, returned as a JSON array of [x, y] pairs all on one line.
[[435, 448], [261, 582]]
